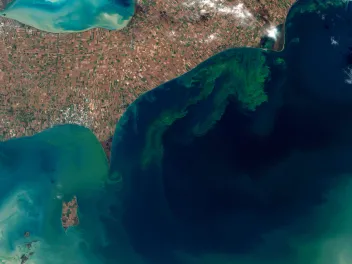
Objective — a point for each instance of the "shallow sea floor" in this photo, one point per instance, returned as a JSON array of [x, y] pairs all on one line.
[[244, 159]]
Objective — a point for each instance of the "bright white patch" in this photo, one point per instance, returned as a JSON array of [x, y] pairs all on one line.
[[75, 114], [348, 72], [59, 196], [333, 41], [272, 33], [111, 19], [238, 11], [172, 33], [219, 6], [210, 38], [55, 1]]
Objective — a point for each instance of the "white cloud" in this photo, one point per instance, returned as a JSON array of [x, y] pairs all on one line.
[[272, 33], [219, 6], [210, 38]]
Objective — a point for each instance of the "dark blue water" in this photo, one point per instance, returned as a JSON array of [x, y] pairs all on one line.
[[253, 186], [244, 159]]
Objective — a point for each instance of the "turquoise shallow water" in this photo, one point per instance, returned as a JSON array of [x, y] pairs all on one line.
[[244, 159], [37, 174], [60, 16]]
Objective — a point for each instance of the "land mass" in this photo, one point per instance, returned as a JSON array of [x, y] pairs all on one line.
[[82, 78]]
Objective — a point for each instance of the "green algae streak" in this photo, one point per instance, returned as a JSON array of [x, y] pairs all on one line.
[[304, 6], [244, 159], [240, 75]]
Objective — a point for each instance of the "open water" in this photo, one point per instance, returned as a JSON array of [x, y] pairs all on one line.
[[64, 16], [244, 159]]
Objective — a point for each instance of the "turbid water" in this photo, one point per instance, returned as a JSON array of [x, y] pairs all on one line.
[[244, 159], [64, 16]]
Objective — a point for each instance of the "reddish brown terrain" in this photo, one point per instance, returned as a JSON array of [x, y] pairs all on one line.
[[69, 217], [90, 78]]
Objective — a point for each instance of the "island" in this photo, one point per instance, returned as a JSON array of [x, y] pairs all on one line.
[[243, 159]]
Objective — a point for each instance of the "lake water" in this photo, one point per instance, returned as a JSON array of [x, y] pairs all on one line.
[[244, 159], [64, 16]]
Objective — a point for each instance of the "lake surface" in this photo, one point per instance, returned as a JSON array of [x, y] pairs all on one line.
[[244, 159], [64, 16]]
